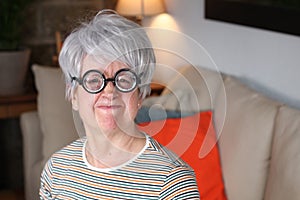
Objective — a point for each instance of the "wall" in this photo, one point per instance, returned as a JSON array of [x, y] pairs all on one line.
[[267, 61]]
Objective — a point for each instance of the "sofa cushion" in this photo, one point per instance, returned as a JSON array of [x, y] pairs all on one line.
[[54, 111], [192, 89], [185, 136], [284, 178], [157, 112], [245, 140]]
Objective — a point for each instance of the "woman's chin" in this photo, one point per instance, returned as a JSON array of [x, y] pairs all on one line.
[[108, 123]]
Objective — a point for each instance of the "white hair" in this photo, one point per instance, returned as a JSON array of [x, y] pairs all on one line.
[[108, 37]]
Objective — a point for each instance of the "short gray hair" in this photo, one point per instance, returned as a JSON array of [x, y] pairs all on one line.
[[108, 37]]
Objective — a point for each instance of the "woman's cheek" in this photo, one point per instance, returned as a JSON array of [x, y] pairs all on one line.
[[86, 110], [133, 105]]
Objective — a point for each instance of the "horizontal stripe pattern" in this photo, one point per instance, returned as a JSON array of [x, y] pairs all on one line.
[[156, 173]]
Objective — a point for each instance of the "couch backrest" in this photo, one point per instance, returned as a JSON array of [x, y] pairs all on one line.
[[192, 84], [246, 140], [284, 177], [55, 113]]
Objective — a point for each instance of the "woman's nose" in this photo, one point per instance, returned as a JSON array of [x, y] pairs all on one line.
[[110, 87]]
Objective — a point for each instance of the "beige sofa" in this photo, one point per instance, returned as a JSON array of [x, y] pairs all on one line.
[[259, 138]]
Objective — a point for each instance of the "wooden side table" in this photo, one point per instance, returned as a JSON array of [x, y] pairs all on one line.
[[156, 89], [13, 106], [11, 145]]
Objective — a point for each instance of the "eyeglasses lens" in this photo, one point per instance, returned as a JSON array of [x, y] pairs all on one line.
[[125, 81], [93, 81]]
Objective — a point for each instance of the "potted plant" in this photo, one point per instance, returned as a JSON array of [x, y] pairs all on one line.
[[14, 58]]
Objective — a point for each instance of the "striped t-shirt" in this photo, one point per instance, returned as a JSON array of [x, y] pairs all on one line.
[[156, 173]]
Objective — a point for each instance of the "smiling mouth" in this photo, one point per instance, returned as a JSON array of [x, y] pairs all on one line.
[[108, 107]]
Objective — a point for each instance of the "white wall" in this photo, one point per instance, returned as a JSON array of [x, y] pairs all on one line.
[[268, 61]]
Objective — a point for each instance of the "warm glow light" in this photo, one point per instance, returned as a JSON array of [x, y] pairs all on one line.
[[164, 21], [140, 7]]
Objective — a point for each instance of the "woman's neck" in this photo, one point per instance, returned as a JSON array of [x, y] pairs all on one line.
[[105, 150]]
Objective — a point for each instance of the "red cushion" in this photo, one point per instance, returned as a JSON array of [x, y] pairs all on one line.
[[186, 137]]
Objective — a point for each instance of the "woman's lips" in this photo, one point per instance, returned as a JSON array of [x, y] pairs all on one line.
[[108, 107]]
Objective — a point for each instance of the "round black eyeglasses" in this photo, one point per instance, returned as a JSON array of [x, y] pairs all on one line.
[[93, 81]]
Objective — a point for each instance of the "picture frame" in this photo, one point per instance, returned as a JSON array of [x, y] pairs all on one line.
[[269, 15]]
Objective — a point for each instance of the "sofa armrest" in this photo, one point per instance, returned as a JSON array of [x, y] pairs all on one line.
[[32, 146], [32, 138]]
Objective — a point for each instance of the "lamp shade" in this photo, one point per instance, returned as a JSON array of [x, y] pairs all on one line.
[[140, 7]]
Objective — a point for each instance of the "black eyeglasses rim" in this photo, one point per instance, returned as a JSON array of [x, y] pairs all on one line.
[[106, 80]]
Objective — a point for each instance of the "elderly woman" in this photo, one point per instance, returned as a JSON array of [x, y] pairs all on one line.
[[108, 64]]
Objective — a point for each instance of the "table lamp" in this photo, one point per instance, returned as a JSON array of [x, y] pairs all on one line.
[[140, 8]]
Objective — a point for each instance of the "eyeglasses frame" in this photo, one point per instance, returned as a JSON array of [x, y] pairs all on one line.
[[106, 80]]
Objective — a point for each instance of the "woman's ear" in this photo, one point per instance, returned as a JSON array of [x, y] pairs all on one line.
[[140, 101], [74, 103]]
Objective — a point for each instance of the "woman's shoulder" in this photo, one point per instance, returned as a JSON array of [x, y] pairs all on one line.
[[74, 149], [161, 153]]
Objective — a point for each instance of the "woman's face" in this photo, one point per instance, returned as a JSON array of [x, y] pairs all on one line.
[[110, 110]]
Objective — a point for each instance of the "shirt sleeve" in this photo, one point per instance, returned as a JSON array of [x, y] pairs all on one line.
[[180, 184], [46, 181]]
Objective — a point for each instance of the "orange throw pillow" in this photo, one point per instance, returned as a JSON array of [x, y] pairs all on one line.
[[193, 139]]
